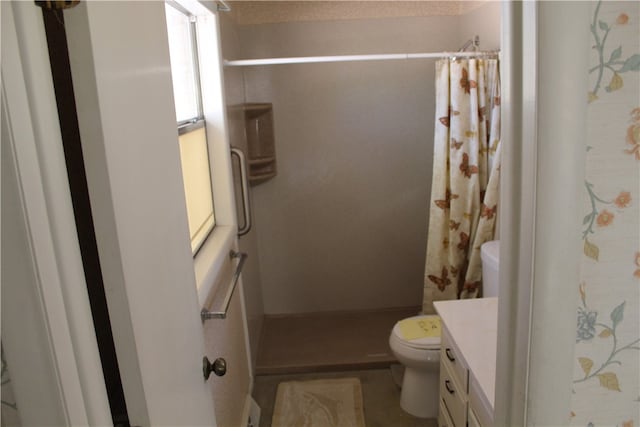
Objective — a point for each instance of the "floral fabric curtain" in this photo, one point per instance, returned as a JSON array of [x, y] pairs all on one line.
[[466, 168]]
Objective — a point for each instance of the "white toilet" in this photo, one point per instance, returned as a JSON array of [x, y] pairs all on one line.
[[421, 360], [421, 356]]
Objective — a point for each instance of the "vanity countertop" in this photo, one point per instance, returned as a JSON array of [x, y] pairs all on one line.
[[473, 325]]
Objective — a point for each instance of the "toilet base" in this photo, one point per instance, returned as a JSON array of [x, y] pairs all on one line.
[[397, 373], [419, 396]]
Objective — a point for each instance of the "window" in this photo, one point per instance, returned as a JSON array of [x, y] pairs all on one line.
[[192, 136]]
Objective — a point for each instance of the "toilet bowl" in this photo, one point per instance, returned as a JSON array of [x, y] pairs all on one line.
[[421, 359]]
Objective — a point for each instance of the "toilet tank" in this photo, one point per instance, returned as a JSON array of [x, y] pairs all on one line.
[[490, 254]]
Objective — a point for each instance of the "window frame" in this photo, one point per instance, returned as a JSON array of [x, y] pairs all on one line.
[[211, 263], [199, 121]]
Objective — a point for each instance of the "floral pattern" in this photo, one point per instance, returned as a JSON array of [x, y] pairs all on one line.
[[601, 218], [464, 193], [606, 379], [615, 66], [633, 134], [587, 323]]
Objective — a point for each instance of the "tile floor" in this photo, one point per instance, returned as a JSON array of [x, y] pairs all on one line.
[[381, 397], [328, 342]]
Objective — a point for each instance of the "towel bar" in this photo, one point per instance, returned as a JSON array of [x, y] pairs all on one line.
[[205, 313]]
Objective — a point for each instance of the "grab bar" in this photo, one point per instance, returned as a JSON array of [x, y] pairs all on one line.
[[246, 206], [205, 313]]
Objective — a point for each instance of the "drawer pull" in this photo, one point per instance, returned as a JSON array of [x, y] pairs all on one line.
[[446, 385], [449, 355]]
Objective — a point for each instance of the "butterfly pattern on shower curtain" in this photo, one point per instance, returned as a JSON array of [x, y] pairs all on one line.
[[466, 167]]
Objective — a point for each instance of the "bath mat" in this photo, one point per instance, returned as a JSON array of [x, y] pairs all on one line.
[[319, 403]]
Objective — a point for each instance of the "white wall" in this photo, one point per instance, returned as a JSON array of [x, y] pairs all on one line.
[[343, 225], [21, 305]]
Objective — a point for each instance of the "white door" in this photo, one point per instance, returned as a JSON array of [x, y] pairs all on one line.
[[155, 288], [128, 126]]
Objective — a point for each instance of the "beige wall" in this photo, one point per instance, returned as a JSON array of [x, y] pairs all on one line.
[[268, 12], [343, 225], [484, 22]]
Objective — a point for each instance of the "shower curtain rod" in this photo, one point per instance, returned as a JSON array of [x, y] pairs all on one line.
[[345, 58]]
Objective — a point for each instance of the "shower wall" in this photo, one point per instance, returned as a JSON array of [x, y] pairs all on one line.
[[484, 22], [343, 225], [234, 98]]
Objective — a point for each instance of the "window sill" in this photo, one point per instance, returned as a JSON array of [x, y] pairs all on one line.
[[209, 260]]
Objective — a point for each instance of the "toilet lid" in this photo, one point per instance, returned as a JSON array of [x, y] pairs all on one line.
[[419, 331]]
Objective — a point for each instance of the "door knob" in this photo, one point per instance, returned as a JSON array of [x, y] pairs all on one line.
[[218, 367]]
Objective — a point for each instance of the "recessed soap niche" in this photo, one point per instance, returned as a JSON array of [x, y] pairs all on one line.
[[261, 155]]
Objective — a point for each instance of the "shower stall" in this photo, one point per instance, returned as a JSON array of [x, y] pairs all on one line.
[[337, 246]]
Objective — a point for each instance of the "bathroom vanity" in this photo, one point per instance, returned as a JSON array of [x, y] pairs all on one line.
[[467, 361]]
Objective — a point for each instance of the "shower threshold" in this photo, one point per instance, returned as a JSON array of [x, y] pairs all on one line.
[[328, 341]]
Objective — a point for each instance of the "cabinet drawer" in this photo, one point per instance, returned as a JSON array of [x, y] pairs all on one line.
[[444, 419], [454, 396], [473, 420], [450, 357], [480, 407]]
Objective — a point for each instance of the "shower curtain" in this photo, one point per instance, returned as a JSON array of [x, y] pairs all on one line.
[[466, 169]]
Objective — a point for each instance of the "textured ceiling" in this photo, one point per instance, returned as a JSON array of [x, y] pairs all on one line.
[[263, 12]]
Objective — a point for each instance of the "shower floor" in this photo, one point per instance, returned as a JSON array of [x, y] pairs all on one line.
[[315, 342]]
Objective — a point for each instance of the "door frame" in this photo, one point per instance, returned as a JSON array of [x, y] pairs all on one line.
[[543, 127], [63, 365]]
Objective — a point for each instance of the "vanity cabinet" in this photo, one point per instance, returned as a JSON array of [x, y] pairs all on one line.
[[454, 382], [472, 420], [444, 420], [467, 362]]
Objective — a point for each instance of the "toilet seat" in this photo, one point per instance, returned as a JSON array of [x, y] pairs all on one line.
[[426, 343]]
